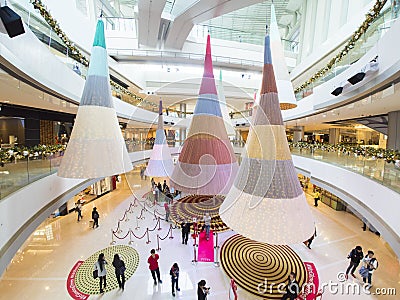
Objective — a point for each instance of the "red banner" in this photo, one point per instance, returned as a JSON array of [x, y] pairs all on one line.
[[71, 287], [310, 288]]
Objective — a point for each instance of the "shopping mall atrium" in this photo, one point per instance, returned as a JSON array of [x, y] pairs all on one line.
[[199, 149]]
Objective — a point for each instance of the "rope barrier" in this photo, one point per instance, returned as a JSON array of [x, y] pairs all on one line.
[[158, 221], [139, 237], [168, 233], [120, 238]]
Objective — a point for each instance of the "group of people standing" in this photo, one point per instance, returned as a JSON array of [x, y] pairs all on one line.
[[202, 290], [369, 264], [100, 271]]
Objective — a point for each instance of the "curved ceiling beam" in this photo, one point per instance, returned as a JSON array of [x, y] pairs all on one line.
[[201, 11], [149, 19]]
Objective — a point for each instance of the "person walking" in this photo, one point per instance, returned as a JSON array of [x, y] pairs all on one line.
[[167, 211], [185, 231], [292, 288], [159, 186], [174, 272], [311, 239], [207, 224], [78, 208], [355, 256], [165, 186], [370, 265], [153, 266], [95, 217], [100, 268], [120, 268], [202, 290], [142, 173], [316, 198]]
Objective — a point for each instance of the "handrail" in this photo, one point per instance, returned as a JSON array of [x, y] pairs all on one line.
[[185, 55]]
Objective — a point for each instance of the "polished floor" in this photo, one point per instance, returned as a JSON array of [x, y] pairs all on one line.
[[40, 269]]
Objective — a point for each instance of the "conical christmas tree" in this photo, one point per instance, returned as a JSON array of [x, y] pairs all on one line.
[[207, 164], [266, 202], [160, 163], [96, 147], [287, 99]]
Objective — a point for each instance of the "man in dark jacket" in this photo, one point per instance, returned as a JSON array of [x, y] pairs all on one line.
[[292, 288], [95, 217], [355, 256], [185, 232]]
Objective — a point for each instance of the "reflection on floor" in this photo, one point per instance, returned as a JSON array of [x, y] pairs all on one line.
[[40, 269]]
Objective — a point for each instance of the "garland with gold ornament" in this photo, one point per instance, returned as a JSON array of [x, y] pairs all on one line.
[[369, 19], [34, 152], [73, 51], [389, 155]]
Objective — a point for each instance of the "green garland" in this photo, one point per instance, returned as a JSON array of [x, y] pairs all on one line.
[[369, 19], [20, 152], [389, 155]]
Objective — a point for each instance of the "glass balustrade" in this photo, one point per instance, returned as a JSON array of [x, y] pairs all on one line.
[[21, 172], [376, 169], [25, 170]]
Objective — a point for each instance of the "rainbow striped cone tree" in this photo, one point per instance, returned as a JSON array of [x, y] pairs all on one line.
[[96, 147], [160, 163], [266, 202], [207, 164]]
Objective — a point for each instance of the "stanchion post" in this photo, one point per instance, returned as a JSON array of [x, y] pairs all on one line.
[[112, 238], [119, 230], [137, 224], [194, 261], [126, 216], [170, 228], [130, 237], [148, 238], [158, 243], [142, 213], [159, 224]]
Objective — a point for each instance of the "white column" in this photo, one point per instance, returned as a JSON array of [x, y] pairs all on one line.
[[298, 133], [334, 134], [393, 141]]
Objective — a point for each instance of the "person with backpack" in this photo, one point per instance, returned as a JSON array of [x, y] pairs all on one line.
[[120, 268], [95, 217], [100, 271], [174, 272], [370, 265], [355, 256]]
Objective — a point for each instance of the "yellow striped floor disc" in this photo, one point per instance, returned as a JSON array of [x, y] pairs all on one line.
[[84, 280], [259, 268], [197, 206]]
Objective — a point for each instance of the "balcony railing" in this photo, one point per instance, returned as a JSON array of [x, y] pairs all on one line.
[[22, 172], [369, 39], [376, 169]]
